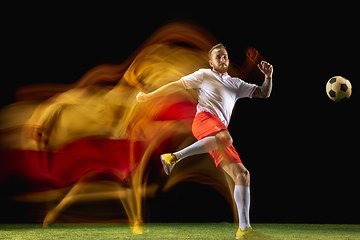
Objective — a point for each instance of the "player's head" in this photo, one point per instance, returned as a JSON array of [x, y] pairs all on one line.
[[218, 58]]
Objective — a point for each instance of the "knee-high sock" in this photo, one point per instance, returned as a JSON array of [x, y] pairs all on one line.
[[242, 199], [204, 145]]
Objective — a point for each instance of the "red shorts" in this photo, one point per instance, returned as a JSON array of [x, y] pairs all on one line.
[[206, 124]]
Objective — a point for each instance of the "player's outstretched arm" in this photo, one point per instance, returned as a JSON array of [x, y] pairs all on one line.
[[164, 90], [265, 90]]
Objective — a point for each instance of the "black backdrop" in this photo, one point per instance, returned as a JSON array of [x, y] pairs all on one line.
[[299, 146]]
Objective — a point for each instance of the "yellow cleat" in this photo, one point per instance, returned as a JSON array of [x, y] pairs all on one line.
[[250, 233], [169, 158], [241, 234], [168, 161]]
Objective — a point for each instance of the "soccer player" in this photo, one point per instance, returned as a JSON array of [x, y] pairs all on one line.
[[217, 94]]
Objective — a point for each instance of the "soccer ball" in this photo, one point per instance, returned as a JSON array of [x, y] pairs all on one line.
[[338, 89]]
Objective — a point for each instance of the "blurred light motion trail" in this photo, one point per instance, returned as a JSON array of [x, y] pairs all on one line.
[[92, 141]]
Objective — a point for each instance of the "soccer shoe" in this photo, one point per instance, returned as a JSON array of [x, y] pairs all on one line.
[[241, 234], [168, 161], [250, 233]]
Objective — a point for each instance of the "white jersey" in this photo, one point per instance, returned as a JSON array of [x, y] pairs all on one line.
[[217, 92]]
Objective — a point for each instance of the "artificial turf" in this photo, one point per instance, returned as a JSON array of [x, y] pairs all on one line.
[[176, 231]]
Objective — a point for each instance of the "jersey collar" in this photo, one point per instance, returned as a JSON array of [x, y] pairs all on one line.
[[221, 75]]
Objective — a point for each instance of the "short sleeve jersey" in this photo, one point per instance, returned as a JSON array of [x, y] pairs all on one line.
[[218, 93]]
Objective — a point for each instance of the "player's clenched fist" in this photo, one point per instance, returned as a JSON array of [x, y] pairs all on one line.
[[266, 68]]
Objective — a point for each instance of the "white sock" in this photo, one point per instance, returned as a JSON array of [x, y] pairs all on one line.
[[205, 145], [242, 199]]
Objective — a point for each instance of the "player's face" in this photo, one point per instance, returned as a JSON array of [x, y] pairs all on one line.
[[219, 60]]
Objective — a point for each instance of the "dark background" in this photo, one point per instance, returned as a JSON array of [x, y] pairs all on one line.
[[299, 146]]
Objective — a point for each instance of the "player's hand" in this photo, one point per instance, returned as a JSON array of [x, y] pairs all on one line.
[[266, 68], [142, 97]]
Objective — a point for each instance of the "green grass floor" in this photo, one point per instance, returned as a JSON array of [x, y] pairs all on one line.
[[176, 231]]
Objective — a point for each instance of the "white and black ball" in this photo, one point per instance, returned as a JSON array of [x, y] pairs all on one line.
[[338, 89]]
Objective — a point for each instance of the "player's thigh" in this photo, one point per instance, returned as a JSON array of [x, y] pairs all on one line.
[[237, 171]]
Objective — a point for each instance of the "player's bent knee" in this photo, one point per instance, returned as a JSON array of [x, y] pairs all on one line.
[[224, 139]]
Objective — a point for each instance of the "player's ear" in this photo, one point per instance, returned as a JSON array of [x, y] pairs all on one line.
[[211, 64]]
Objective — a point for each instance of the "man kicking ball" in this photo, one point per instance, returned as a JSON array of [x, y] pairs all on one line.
[[218, 93]]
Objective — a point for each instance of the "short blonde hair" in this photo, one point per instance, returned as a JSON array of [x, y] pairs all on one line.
[[219, 45]]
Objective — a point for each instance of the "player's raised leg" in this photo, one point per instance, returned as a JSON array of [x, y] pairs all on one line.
[[221, 140], [202, 146]]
